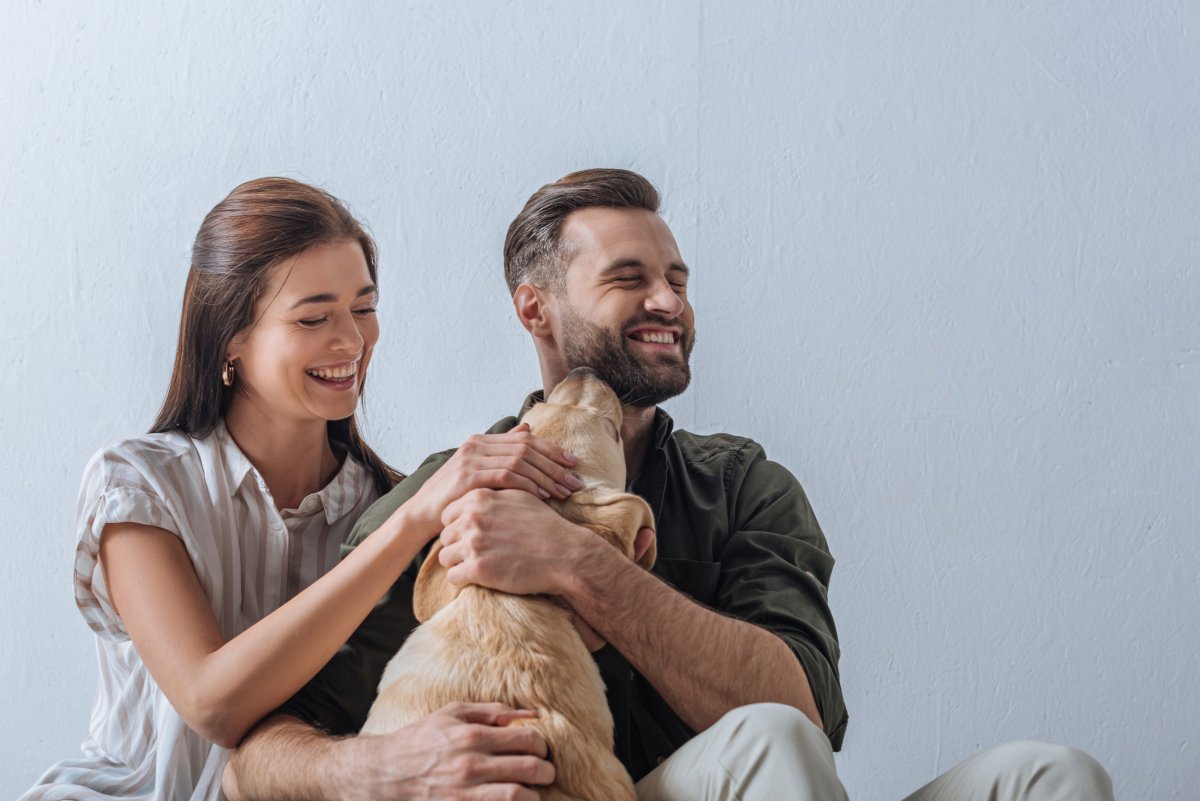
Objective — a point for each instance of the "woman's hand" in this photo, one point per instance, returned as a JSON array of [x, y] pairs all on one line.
[[516, 460]]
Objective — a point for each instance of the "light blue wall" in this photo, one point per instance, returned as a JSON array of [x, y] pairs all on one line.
[[945, 269]]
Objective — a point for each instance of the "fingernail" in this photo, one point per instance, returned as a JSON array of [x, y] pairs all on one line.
[[518, 714], [561, 490], [573, 481], [570, 457], [545, 495]]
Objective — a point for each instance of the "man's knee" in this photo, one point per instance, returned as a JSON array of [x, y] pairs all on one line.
[[785, 729], [1049, 770], [753, 751], [750, 754], [772, 718]]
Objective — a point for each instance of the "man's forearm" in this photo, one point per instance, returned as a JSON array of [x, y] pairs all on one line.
[[283, 759], [702, 662]]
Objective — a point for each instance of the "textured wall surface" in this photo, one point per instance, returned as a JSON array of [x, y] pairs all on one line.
[[944, 266]]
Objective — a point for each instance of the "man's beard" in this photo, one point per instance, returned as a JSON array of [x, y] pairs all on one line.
[[610, 354]]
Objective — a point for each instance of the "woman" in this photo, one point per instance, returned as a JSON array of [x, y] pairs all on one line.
[[207, 556]]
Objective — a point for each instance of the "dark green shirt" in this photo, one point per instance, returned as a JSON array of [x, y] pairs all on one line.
[[734, 531]]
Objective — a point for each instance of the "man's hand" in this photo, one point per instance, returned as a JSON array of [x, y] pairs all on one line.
[[463, 751], [511, 541]]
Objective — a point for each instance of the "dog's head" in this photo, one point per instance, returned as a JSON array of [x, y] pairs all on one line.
[[582, 415]]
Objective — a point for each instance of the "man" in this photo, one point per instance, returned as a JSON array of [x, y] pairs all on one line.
[[721, 668]]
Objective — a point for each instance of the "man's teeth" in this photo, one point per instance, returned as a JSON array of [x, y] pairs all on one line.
[[663, 338], [334, 373]]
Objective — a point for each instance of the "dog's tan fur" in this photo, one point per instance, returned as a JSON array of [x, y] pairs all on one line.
[[478, 645]]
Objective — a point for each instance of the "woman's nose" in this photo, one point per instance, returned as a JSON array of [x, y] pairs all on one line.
[[347, 337]]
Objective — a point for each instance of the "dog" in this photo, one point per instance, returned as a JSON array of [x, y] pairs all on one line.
[[479, 645]]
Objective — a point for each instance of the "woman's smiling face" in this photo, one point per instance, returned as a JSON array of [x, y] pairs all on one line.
[[304, 357]]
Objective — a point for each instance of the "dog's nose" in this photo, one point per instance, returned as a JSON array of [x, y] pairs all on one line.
[[582, 372]]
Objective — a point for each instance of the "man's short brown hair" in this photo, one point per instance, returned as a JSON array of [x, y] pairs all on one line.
[[533, 249]]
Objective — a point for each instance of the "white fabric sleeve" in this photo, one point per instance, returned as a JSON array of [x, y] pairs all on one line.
[[114, 490]]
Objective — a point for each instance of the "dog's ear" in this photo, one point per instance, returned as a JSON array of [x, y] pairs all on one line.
[[624, 514], [432, 589]]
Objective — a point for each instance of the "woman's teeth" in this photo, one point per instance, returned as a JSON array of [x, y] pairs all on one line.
[[334, 373]]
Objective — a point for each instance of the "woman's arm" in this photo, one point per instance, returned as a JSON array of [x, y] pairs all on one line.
[[222, 688]]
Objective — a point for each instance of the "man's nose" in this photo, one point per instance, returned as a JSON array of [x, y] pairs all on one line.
[[664, 300]]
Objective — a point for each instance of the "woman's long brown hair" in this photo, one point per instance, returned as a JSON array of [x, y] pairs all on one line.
[[259, 224]]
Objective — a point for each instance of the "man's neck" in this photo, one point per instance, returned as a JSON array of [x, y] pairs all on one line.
[[636, 428]]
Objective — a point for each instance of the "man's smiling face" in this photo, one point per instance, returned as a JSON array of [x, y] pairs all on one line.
[[624, 310]]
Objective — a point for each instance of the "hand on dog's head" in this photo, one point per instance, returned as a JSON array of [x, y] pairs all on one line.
[[581, 415]]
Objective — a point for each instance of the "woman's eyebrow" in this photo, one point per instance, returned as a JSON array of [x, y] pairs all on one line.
[[329, 297]]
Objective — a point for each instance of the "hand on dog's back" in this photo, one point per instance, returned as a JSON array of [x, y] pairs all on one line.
[[467, 751]]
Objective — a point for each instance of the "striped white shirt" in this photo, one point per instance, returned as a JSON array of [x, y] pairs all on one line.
[[250, 559]]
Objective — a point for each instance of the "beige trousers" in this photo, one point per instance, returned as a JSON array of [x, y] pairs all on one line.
[[771, 752]]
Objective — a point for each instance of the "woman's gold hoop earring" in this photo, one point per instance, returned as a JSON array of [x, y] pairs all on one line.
[[227, 374]]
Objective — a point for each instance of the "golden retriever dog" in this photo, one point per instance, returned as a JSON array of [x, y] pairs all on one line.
[[479, 645]]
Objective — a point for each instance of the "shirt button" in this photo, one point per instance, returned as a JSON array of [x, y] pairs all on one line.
[[661, 759]]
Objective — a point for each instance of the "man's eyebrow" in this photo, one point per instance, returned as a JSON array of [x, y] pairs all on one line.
[[624, 264], [329, 297]]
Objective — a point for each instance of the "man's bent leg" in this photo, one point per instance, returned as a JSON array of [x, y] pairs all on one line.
[[761, 752], [1022, 771]]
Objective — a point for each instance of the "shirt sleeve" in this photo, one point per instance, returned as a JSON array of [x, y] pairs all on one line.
[[775, 571], [116, 488], [338, 699]]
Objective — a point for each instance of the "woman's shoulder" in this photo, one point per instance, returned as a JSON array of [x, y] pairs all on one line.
[[149, 458], [168, 446]]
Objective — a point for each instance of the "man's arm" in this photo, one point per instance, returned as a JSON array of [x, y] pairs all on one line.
[[463, 746], [772, 634], [299, 756], [702, 663]]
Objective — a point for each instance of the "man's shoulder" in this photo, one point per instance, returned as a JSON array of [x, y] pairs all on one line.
[[739, 464], [701, 448]]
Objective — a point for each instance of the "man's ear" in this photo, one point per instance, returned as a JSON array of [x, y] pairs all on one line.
[[625, 514], [533, 309], [432, 589]]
